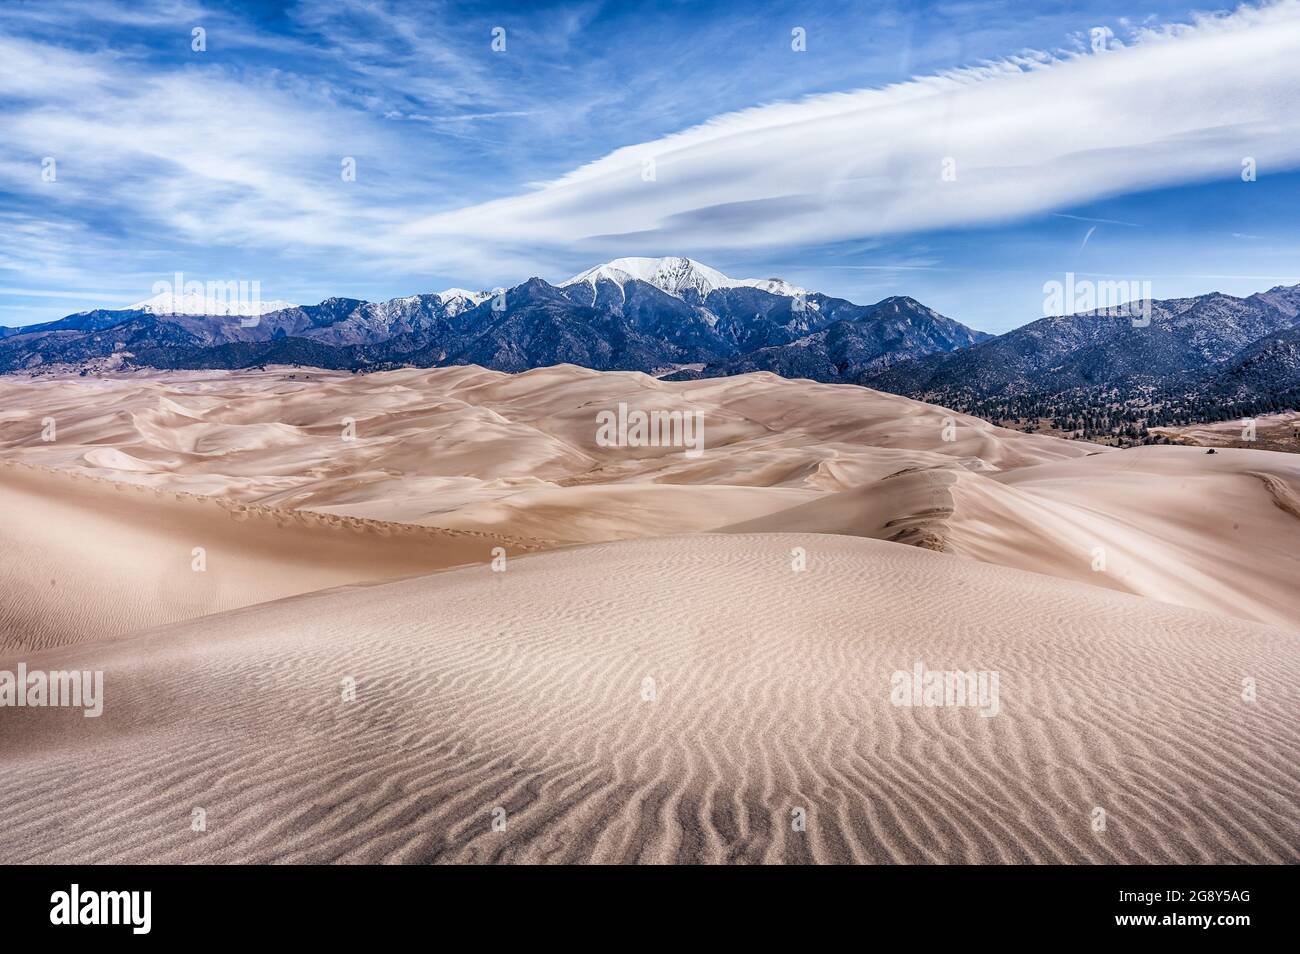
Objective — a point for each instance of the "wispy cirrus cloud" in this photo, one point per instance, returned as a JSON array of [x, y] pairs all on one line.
[[1023, 135]]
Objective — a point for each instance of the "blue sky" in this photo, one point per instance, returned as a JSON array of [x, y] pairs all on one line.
[[1104, 138]]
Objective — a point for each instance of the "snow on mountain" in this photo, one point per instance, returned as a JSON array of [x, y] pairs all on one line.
[[457, 300], [477, 297], [194, 304], [675, 275], [775, 286]]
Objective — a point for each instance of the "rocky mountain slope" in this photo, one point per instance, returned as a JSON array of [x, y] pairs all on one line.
[[629, 314]]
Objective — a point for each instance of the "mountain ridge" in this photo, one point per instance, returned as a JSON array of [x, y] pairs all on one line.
[[627, 314], [1090, 374]]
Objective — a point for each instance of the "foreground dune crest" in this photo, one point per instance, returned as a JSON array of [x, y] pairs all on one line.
[[674, 700]]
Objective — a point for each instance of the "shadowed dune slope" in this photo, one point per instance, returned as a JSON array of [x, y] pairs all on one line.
[[677, 699], [1218, 532], [1215, 532], [85, 559]]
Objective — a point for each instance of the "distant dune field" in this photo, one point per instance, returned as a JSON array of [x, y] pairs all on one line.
[[467, 449]]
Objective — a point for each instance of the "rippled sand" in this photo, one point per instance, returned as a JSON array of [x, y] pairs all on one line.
[[528, 691]]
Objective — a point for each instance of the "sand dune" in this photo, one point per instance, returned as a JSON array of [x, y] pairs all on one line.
[[681, 698], [913, 506], [527, 691], [84, 559], [426, 442], [516, 455], [1218, 533], [1212, 531], [597, 512]]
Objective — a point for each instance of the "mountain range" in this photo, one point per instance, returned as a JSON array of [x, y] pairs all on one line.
[[630, 314], [1210, 357], [1205, 357]]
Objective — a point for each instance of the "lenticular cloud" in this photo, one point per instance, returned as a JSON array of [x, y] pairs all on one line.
[[994, 142]]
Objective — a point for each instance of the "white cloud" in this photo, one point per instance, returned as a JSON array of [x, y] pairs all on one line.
[[200, 154], [1029, 134], [206, 154]]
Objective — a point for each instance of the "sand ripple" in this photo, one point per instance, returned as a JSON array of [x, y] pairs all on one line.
[[527, 691]]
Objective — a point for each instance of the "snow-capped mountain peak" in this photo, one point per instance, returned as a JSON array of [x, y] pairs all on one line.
[[477, 297], [675, 275], [456, 300], [167, 303], [672, 275], [775, 286]]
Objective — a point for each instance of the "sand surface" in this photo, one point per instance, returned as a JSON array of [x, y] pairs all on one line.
[[83, 559], [649, 679], [1217, 532], [516, 456], [527, 691], [474, 448], [1278, 432]]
